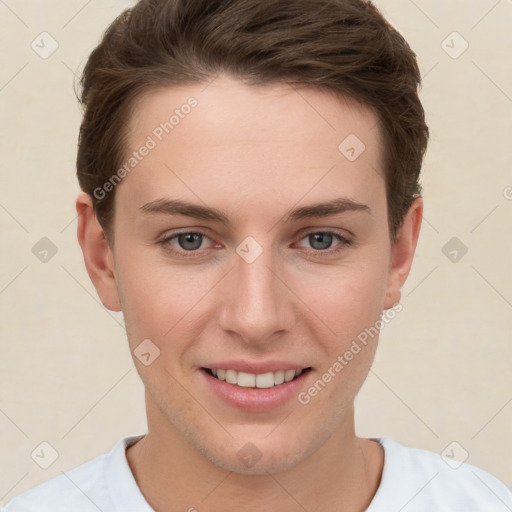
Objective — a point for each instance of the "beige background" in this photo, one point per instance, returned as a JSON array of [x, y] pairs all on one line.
[[442, 372]]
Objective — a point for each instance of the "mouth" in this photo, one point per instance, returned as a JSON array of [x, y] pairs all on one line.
[[256, 380]]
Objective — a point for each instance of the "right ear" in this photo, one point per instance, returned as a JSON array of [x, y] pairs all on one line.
[[98, 256]]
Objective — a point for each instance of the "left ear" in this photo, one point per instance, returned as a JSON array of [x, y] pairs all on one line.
[[402, 252]]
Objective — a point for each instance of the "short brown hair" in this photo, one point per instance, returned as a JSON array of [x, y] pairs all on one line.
[[343, 46]]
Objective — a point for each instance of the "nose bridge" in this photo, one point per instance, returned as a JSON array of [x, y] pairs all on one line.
[[254, 304]]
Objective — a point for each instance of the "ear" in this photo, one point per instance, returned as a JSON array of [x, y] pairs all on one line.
[[402, 252], [98, 257]]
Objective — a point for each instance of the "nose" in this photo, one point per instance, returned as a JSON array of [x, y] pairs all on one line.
[[256, 304]]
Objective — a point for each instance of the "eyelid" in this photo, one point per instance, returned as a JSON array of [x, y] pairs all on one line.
[[168, 236], [344, 240], [344, 233]]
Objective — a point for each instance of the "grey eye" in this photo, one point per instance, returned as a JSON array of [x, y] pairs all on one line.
[[190, 241], [320, 241]]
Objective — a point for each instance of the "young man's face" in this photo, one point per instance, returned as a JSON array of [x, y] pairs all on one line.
[[262, 291]]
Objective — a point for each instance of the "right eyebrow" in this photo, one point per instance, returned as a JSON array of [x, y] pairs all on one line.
[[179, 207]]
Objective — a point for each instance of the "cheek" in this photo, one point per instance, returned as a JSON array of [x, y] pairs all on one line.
[[351, 308], [158, 300], [161, 300], [349, 300], [350, 304]]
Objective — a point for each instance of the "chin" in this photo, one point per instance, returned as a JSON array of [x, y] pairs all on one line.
[[261, 453], [250, 460]]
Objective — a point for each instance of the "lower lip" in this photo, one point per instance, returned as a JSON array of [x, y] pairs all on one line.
[[255, 399]]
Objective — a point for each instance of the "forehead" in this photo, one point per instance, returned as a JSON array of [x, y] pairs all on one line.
[[276, 140]]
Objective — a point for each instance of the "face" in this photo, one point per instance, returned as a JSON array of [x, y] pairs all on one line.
[[224, 260]]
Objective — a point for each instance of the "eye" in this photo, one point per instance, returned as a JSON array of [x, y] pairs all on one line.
[[190, 241], [321, 241], [186, 242]]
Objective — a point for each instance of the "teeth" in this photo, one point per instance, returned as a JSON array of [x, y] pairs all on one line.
[[246, 380], [289, 375], [278, 377], [261, 380], [231, 376], [265, 380]]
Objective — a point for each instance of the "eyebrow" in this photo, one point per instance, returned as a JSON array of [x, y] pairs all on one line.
[[317, 210]]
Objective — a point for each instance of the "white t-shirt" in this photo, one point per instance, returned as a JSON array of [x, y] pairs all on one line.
[[413, 480]]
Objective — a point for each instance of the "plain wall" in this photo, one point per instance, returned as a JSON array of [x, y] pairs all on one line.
[[442, 372]]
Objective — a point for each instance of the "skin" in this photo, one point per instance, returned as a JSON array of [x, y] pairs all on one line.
[[255, 153]]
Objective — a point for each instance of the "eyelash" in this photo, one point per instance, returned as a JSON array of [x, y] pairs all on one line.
[[345, 242]]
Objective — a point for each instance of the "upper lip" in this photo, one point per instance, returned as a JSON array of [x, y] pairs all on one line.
[[255, 367]]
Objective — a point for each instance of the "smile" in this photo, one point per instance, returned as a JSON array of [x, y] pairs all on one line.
[[255, 380]]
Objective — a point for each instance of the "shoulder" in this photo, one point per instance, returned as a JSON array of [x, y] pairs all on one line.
[[417, 479], [69, 489], [82, 489]]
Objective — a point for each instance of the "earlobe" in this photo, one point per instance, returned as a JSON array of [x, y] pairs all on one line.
[[98, 256], [402, 252]]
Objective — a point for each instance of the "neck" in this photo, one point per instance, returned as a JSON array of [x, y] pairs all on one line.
[[173, 476]]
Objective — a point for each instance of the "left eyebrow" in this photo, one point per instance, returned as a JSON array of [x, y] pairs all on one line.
[[318, 210], [336, 206]]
